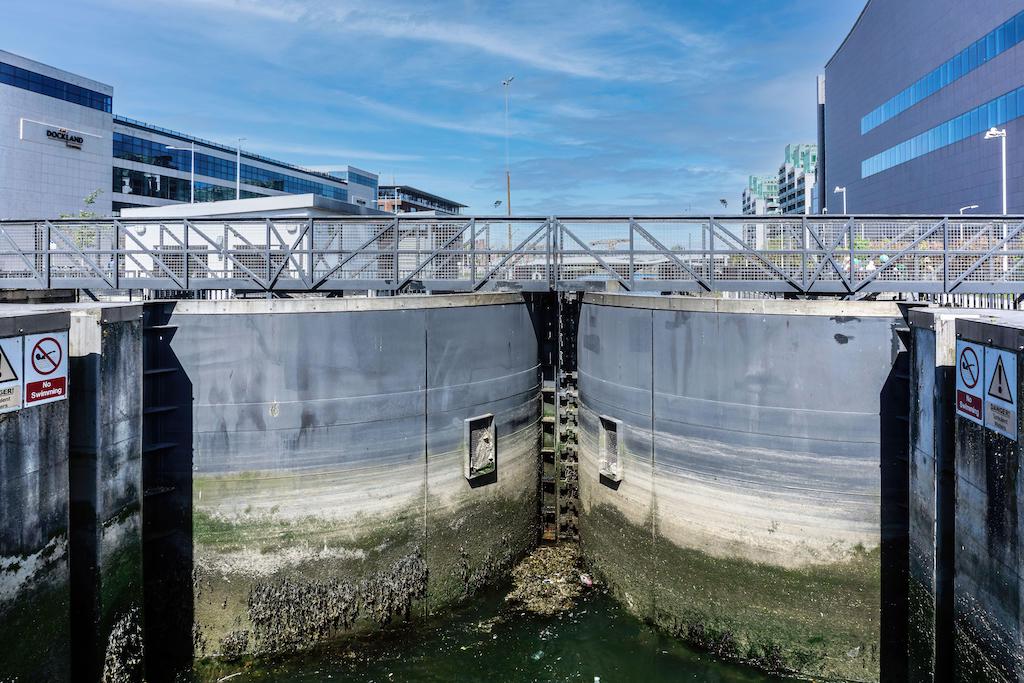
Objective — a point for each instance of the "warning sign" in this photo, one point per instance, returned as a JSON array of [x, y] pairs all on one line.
[[969, 371], [1001, 392], [46, 368], [10, 374]]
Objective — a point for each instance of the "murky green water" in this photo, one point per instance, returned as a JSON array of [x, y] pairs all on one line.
[[486, 641]]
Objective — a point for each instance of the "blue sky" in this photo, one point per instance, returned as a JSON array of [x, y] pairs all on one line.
[[657, 107]]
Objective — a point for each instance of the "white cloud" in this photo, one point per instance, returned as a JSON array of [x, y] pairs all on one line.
[[578, 40], [343, 154]]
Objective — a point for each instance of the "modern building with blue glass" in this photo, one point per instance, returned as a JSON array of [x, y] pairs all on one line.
[[61, 142], [909, 96]]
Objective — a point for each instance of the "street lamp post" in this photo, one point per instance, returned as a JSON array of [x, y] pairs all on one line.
[[991, 134], [508, 175], [192, 173], [238, 169], [842, 191], [963, 209]]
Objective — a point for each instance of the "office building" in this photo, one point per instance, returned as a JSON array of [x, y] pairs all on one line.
[[406, 199], [908, 98], [761, 196], [61, 142], [796, 179]]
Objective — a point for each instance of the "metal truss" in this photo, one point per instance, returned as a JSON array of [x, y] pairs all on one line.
[[800, 255]]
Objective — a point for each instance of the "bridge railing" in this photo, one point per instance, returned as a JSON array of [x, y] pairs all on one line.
[[784, 254]]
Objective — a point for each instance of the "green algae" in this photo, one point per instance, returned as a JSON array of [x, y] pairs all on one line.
[[35, 626], [820, 621]]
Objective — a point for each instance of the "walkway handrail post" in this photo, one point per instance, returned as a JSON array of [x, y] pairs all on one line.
[[47, 259], [632, 267], [803, 252], [945, 255], [472, 251], [711, 251]]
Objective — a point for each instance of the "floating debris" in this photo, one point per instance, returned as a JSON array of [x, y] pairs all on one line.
[[548, 580]]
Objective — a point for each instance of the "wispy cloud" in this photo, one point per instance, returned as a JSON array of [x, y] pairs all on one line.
[[586, 41], [343, 154]]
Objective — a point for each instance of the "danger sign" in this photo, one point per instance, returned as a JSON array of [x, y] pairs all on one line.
[[46, 368], [10, 374], [1001, 392], [969, 371]]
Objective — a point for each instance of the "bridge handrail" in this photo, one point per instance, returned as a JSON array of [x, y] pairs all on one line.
[[803, 254]]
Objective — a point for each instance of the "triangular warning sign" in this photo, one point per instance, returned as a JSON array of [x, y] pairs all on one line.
[[1000, 385], [7, 373]]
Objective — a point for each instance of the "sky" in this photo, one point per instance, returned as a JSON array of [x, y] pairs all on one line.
[[615, 107]]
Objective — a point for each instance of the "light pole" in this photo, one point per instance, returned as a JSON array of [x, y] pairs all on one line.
[[192, 173], [991, 134], [238, 169], [842, 191], [967, 208], [508, 175]]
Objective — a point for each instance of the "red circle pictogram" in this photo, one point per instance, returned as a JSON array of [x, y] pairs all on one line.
[[969, 370], [47, 355]]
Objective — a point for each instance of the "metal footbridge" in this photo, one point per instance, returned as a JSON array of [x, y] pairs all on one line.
[[799, 255]]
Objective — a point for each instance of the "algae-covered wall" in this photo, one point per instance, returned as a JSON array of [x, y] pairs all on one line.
[[749, 515], [327, 455], [987, 605], [35, 630], [931, 543], [106, 490]]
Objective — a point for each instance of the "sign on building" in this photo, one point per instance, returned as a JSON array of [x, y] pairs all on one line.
[[969, 381], [1001, 391], [46, 368], [10, 374]]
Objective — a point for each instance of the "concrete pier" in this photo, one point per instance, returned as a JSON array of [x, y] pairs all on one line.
[[760, 471], [35, 594], [325, 442]]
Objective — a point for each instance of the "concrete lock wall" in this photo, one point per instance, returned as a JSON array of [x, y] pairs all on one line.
[[325, 442], [932, 542], [762, 453], [34, 577], [987, 583], [106, 490]]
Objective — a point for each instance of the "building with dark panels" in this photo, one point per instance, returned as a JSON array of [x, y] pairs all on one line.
[[908, 98], [406, 199]]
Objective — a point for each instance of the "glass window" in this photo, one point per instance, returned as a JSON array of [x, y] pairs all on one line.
[[988, 47], [995, 113], [52, 87]]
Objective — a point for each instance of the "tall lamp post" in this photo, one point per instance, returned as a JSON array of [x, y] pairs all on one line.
[[238, 169], [991, 134], [508, 175], [967, 208], [192, 172], [842, 191]]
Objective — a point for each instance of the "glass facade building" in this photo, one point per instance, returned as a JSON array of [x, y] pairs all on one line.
[[60, 142]]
